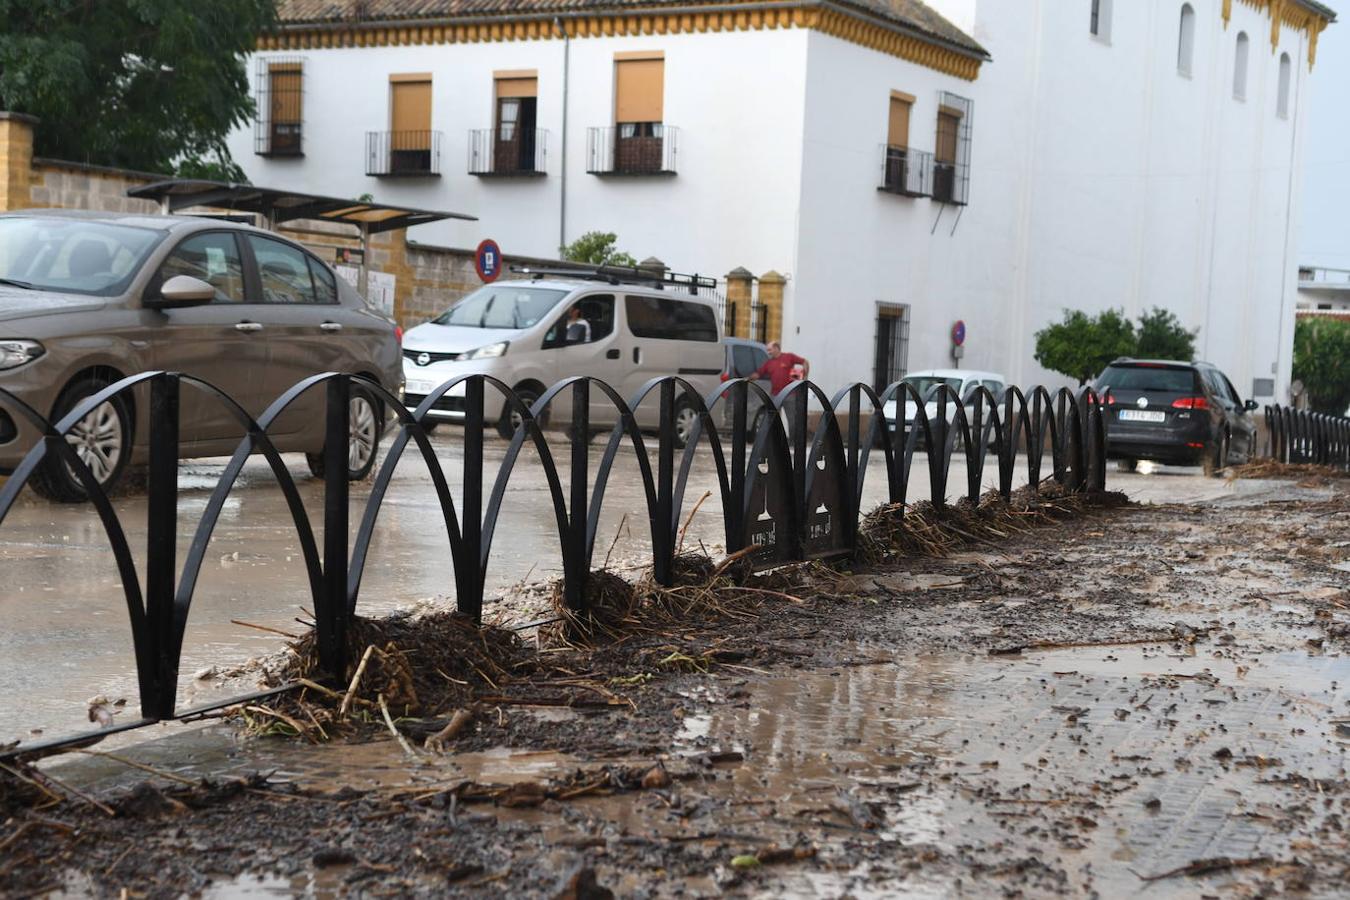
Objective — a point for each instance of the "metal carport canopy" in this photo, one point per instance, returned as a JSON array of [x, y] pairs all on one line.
[[275, 206]]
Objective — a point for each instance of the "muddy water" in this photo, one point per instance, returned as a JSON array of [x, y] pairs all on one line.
[[65, 636], [1104, 764]]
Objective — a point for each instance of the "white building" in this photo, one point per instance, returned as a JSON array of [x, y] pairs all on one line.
[[1089, 154], [1323, 290]]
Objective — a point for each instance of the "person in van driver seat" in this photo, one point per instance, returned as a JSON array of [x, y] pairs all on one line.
[[578, 329]]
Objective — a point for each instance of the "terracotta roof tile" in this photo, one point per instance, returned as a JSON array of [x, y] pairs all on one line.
[[911, 14]]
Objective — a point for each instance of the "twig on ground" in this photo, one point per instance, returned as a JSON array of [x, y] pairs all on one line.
[[285, 634], [356, 680], [389, 720]]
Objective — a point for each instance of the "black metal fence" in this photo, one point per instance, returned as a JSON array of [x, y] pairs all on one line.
[[790, 487], [407, 153], [508, 151], [906, 171], [1303, 436]]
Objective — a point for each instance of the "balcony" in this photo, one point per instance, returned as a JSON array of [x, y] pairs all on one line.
[[906, 171], [508, 152], [640, 148], [951, 183], [403, 154]]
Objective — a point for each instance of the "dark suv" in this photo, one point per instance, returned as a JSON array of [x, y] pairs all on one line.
[[1175, 412]]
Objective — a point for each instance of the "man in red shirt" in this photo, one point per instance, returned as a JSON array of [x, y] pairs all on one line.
[[778, 368]]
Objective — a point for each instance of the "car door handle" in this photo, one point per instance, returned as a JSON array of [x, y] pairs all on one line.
[[637, 355], [331, 326], [612, 353], [248, 326]]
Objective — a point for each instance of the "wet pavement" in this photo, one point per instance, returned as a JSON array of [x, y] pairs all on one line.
[[1151, 702], [66, 638]]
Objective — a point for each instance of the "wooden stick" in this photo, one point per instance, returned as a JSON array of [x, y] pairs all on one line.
[[286, 634], [299, 729], [739, 554], [135, 765], [356, 680], [438, 740], [689, 520], [389, 720]]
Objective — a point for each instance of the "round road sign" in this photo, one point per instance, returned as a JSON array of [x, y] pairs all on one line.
[[959, 333], [487, 260]]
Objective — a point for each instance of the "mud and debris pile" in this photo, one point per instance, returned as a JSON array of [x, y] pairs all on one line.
[[923, 529], [1306, 474]]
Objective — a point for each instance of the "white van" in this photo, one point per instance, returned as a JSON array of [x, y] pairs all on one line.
[[518, 331]]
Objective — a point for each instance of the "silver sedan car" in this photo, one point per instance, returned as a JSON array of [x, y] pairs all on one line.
[[89, 298]]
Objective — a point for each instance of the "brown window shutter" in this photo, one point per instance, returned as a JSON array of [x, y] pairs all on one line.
[[286, 94], [517, 87], [948, 124], [410, 106], [639, 90], [897, 133]]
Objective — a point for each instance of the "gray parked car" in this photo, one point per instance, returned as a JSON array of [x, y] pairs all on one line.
[[89, 298]]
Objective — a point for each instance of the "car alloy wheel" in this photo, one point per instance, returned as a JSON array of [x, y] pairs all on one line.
[[686, 418], [99, 441], [363, 431]]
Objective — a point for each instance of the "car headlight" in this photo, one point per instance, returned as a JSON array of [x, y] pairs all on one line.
[[16, 353], [488, 352]]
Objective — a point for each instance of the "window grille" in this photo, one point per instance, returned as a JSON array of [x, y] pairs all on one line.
[[951, 166], [278, 121]]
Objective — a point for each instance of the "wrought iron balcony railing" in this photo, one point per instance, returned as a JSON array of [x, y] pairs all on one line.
[[906, 171], [508, 151], [634, 148], [403, 153]]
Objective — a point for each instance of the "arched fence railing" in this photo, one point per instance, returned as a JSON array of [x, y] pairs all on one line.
[[790, 480], [1303, 436]]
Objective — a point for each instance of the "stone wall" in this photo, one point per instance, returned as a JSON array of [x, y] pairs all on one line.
[[75, 186]]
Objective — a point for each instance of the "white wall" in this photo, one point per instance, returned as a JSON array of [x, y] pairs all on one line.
[[736, 99]]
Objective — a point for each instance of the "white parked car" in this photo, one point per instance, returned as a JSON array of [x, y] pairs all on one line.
[[526, 334], [962, 381]]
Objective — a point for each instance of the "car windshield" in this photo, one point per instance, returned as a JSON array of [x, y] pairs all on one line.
[[925, 383], [72, 255], [501, 306], [1148, 378]]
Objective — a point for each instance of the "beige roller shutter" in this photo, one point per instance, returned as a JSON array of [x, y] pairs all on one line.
[[948, 124], [410, 105], [639, 90], [897, 131], [286, 92], [517, 87]]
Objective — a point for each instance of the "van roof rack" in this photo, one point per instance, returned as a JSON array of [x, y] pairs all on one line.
[[658, 279]]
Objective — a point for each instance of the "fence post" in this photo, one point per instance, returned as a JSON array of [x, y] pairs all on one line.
[[469, 571], [576, 563], [330, 619], [159, 688]]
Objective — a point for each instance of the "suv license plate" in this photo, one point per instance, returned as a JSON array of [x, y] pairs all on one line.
[[419, 387], [1142, 415]]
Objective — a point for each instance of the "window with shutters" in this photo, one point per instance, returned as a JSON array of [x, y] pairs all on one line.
[[951, 155], [639, 142], [515, 145], [410, 146], [904, 170], [279, 119]]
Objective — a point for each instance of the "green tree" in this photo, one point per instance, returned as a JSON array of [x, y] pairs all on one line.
[[1162, 336], [1082, 345], [142, 84], [597, 249], [1322, 362]]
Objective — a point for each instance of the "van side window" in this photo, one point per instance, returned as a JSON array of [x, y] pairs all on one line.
[[668, 319], [746, 360], [596, 309]]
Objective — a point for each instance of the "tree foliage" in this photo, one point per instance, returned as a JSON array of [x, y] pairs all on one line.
[[1322, 362], [142, 84], [597, 248], [1162, 336], [1081, 345]]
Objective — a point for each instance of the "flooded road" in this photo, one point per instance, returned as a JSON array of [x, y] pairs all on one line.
[[1150, 701]]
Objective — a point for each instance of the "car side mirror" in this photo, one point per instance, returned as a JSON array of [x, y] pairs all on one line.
[[1250, 405], [183, 290]]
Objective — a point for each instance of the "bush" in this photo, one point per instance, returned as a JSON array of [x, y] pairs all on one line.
[[1322, 362]]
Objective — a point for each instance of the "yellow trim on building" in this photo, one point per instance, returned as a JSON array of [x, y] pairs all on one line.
[[1287, 12], [864, 32]]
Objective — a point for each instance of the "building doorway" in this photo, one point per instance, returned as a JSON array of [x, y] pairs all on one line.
[[891, 357]]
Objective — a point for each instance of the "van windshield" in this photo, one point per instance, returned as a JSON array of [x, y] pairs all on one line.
[[501, 306], [72, 255]]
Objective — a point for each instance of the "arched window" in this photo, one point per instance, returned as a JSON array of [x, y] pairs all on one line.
[[1240, 67], [1186, 40], [1282, 102], [1099, 24]]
